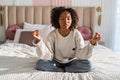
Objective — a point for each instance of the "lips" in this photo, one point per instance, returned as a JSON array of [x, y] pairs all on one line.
[[65, 25]]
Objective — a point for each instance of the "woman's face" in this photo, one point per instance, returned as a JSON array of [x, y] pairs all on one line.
[[65, 20]]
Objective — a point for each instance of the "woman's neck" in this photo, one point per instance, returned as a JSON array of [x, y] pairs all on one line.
[[64, 32]]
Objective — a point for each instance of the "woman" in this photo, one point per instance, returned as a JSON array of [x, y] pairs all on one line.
[[64, 49]]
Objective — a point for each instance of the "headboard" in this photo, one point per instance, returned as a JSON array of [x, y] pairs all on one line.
[[41, 15]]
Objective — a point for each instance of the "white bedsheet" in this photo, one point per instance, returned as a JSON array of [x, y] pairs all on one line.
[[17, 62]]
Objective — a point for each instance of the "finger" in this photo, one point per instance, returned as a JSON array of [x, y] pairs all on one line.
[[97, 33], [97, 36], [35, 32]]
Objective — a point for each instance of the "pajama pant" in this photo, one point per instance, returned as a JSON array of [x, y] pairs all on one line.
[[75, 66]]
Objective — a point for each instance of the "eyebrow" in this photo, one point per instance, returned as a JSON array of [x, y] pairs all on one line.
[[66, 16]]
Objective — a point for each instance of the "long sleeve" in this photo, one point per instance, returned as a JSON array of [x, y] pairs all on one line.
[[63, 49], [82, 51], [45, 50]]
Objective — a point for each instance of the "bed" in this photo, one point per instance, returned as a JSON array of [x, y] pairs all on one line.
[[18, 59]]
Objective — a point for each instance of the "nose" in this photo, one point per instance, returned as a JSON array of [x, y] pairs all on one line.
[[66, 20]]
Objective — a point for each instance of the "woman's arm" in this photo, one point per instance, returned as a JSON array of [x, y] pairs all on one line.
[[43, 51], [95, 39], [85, 52]]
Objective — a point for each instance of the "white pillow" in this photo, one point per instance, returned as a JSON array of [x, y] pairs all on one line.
[[43, 32], [18, 33], [33, 26]]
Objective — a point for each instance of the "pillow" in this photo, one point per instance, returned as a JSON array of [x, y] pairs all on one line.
[[86, 32], [33, 26], [26, 37], [18, 34], [21, 33], [44, 30], [10, 32]]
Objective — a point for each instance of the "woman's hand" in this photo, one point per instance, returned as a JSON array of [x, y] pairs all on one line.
[[96, 38], [36, 35]]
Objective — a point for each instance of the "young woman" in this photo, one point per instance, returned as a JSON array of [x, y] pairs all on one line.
[[64, 48]]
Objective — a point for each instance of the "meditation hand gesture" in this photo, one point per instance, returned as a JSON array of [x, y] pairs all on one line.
[[36, 35], [95, 39]]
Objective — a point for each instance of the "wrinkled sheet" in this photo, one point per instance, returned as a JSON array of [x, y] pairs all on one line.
[[17, 62]]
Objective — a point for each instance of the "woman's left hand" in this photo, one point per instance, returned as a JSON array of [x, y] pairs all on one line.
[[96, 38]]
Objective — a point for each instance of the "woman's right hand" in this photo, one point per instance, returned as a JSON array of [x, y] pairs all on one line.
[[36, 35]]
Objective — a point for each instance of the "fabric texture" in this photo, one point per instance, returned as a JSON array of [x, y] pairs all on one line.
[[33, 26], [11, 30], [64, 49], [18, 33], [26, 38], [44, 30], [86, 32], [18, 62], [75, 66]]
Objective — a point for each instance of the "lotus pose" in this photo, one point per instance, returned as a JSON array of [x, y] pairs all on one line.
[[64, 49]]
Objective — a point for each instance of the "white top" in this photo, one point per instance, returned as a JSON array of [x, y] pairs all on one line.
[[64, 49]]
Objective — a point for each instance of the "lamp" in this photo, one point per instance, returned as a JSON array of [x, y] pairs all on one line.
[[1, 9], [99, 10]]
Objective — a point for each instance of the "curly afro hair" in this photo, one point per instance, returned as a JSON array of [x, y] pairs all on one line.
[[55, 13]]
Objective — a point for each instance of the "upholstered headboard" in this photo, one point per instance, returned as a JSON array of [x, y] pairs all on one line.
[[41, 15]]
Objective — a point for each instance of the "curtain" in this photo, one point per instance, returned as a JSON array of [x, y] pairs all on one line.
[[116, 45]]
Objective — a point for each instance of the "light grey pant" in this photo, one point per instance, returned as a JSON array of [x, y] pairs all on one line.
[[76, 66]]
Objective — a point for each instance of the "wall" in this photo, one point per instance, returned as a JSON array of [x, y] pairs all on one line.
[[52, 2]]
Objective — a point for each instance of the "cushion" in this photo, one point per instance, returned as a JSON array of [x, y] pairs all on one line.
[[33, 26], [22, 34], [18, 34], [10, 32], [86, 32], [26, 32], [44, 30], [26, 37]]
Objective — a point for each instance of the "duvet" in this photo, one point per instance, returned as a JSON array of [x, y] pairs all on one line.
[[17, 62]]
